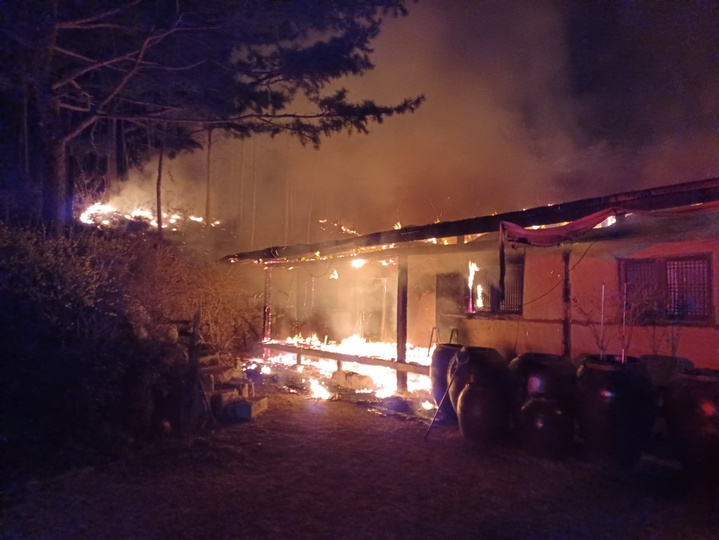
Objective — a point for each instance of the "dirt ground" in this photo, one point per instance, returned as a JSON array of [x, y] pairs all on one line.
[[335, 469]]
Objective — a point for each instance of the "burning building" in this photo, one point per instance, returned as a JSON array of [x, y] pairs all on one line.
[[630, 273]]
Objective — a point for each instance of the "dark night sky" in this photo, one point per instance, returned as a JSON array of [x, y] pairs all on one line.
[[528, 103]]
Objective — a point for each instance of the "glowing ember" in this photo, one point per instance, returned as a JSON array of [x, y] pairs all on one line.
[[324, 223], [108, 216], [142, 213], [611, 220], [319, 391], [96, 211], [358, 263]]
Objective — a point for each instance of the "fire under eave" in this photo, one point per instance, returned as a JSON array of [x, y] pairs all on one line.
[[400, 243], [659, 198]]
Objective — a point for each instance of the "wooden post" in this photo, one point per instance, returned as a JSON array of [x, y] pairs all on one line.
[[566, 307], [208, 178], [402, 280], [267, 314], [158, 191]]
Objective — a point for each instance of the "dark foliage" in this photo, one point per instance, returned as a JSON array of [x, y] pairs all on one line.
[[87, 368]]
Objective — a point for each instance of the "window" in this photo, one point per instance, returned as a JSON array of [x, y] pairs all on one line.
[[669, 290], [486, 296], [454, 297]]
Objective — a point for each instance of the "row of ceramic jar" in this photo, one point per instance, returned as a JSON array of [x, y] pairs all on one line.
[[609, 403]]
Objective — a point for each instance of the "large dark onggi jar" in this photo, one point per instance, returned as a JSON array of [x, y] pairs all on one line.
[[550, 376], [482, 364], [691, 407], [615, 407], [483, 414], [481, 395], [546, 428], [438, 370]]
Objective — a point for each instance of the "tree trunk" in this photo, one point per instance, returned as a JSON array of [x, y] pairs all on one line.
[[111, 172], [208, 173], [241, 202], [158, 192], [254, 194], [310, 208], [57, 194], [56, 211]]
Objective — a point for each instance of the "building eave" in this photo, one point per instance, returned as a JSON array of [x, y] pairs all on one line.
[[658, 198]]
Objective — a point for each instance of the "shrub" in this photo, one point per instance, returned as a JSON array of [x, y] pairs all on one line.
[[85, 366]]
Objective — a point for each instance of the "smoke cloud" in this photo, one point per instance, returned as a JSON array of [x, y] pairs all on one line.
[[528, 103]]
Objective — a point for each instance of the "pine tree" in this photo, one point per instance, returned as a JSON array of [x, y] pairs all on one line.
[[74, 69]]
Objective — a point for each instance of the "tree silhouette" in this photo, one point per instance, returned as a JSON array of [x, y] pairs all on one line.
[[76, 70]]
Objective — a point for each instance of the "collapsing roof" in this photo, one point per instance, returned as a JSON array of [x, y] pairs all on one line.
[[653, 199]]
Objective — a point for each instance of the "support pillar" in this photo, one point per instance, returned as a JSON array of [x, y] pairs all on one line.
[[267, 313], [402, 281], [566, 307]]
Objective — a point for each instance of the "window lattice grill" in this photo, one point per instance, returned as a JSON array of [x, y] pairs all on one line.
[[487, 297], [677, 289], [687, 288], [513, 285]]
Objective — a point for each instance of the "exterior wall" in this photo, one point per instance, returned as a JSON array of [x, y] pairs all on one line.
[[595, 299], [423, 322], [364, 296], [698, 343], [539, 328], [513, 337], [595, 304]]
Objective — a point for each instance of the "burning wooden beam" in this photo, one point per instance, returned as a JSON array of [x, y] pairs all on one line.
[[403, 367]]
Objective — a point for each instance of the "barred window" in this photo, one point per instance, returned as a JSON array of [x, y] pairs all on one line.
[[669, 290], [454, 296], [486, 296]]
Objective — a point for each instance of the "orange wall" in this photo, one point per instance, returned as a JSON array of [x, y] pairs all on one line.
[[539, 328]]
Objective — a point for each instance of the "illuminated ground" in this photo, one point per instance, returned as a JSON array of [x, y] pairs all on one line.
[[329, 469]]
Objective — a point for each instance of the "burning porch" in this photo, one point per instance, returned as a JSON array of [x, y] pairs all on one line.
[[377, 304]]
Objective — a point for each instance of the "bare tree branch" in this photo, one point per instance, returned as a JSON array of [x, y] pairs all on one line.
[[86, 23]]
